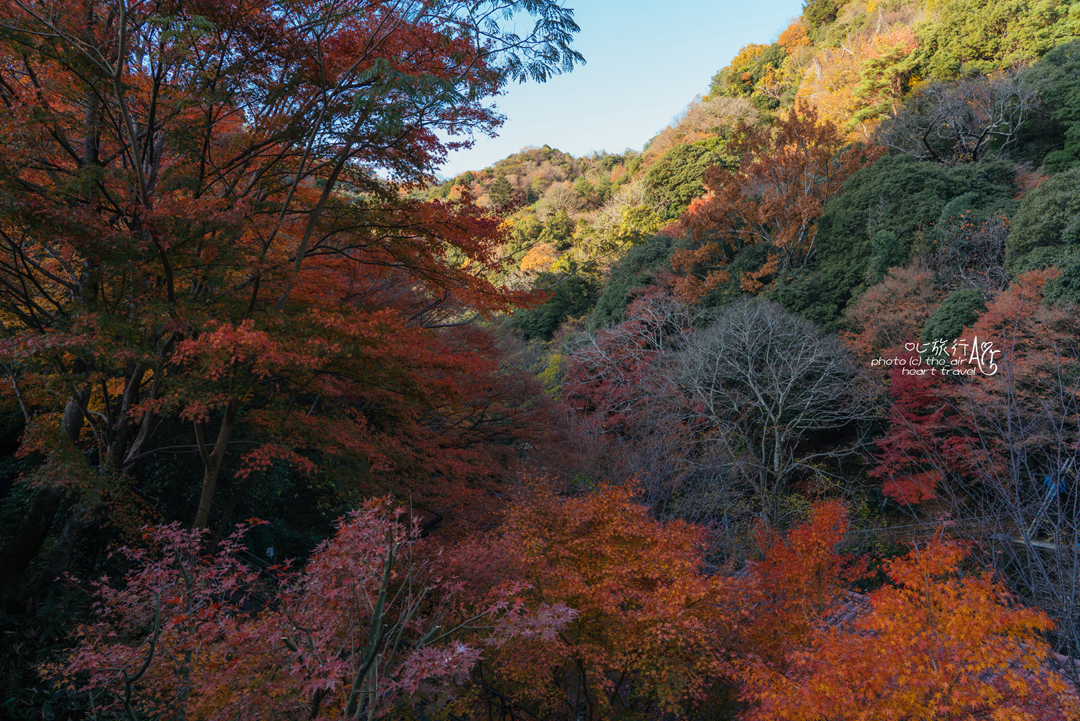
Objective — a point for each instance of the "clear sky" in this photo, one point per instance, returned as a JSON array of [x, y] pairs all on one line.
[[645, 62]]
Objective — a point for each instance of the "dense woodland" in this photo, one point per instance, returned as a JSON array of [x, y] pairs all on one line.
[[777, 418]]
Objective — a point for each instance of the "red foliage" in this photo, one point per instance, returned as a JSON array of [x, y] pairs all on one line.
[[1006, 373], [909, 455], [800, 582], [891, 313], [618, 375], [363, 630], [204, 234]]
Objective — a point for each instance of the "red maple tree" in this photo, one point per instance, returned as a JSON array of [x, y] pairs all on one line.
[[204, 221]]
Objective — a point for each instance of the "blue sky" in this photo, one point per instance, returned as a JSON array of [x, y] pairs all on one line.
[[646, 60]]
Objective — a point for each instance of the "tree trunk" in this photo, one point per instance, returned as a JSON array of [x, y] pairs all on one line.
[[83, 517], [212, 462], [219, 530], [23, 548]]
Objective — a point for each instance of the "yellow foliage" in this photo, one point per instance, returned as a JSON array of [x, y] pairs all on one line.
[[539, 258], [794, 36], [829, 85], [551, 378]]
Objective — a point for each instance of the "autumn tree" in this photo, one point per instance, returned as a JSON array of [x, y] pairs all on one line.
[[924, 427], [891, 313], [649, 627], [885, 74], [702, 119], [798, 581], [784, 183], [201, 224], [1027, 413], [1011, 417], [618, 372], [369, 627], [935, 643]]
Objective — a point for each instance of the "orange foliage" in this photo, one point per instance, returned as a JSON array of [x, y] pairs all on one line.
[[1022, 325], [891, 313], [800, 582], [934, 644], [784, 183], [794, 36], [1024, 363], [539, 258], [647, 632], [829, 83]]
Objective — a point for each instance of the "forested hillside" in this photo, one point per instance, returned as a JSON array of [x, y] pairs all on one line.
[[777, 418]]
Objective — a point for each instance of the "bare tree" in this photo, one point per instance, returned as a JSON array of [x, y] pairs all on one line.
[[712, 412], [621, 382], [702, 117], [960, 121], [1028, 508], [765, 379], [561, 197], [972, 255]]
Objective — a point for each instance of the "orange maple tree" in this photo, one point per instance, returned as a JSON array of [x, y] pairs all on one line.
[[784, 183], [800, 580], [649, 629], [935, 643]]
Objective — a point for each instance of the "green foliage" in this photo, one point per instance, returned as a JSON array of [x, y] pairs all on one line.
[[1066, 287], [501, 190], [742, 76], [748, 260], [603, 187], [886, 251], [1048, 218], [558, 231], [675, 179], [571, 297], [28, 641], [981, 36], [719, 146], [801, 290], [1046, 233], [582, 186], [1058, 77], [527, 231], [639, 267], [820, 12], [960, 309], [903, 197], [1053, 137]]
